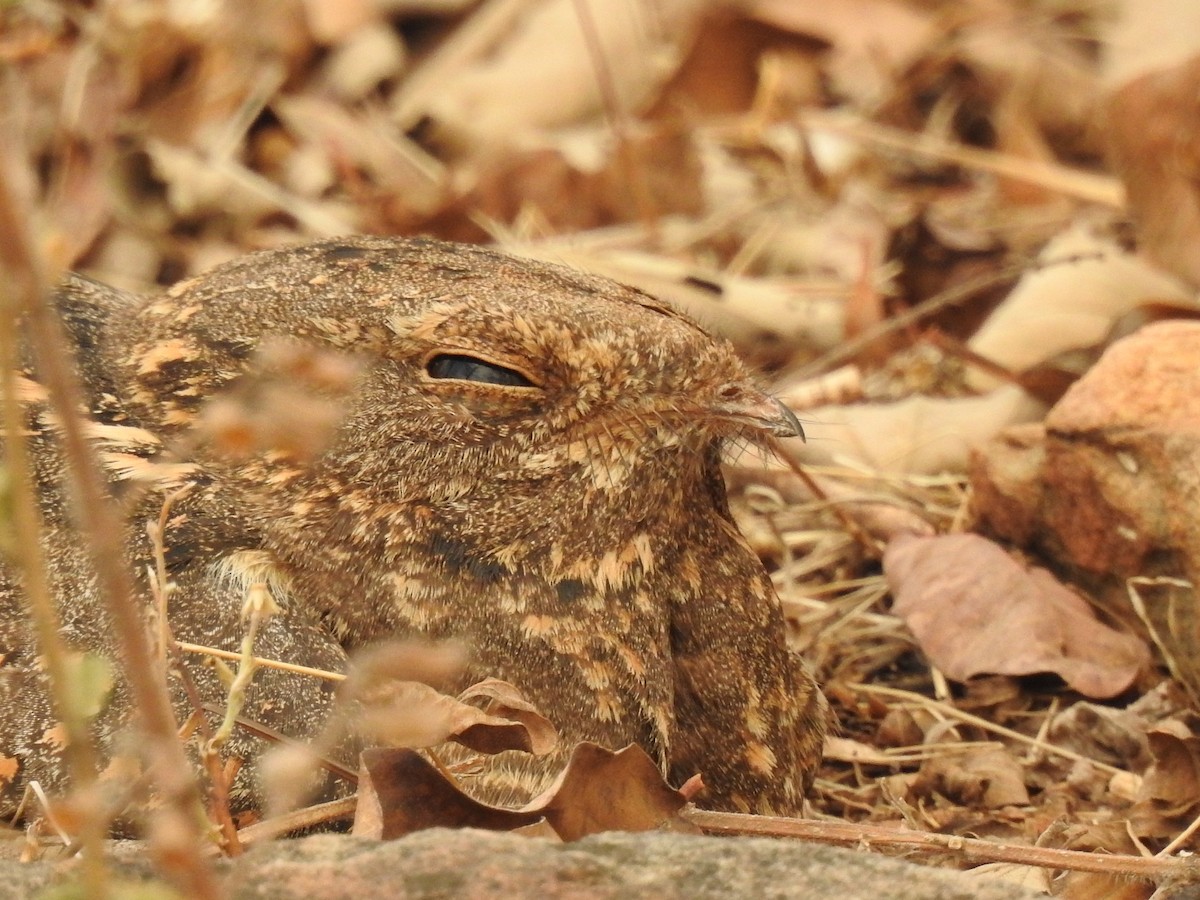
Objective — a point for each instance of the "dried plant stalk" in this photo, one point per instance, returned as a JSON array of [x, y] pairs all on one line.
[[17, 282], [178, 826]]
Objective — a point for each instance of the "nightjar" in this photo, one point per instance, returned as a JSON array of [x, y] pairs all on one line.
[[529, 461]]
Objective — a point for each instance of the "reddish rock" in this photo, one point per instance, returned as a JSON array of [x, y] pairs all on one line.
[[1113, 489]]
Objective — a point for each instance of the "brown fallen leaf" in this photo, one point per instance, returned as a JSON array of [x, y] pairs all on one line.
[[867, 38], [540, 73], [599, 790], [1172, 783], [292, 401], [988, 777], [602, 790], [975, 610]]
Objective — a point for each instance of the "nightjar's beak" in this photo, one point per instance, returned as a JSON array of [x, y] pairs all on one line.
[[750, 406]]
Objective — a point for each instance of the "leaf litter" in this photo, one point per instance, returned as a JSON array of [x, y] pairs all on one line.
[[910, 193]]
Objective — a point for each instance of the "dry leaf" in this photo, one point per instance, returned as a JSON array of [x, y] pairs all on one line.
[[411, 714], [602, 790], [541, 74], [975, 610], [1116, 737], [1149, 35], [435, 664], [1082, 286], [987, 777], [599, 790], [393, 708], [332, 21], [1172, 783], [918, 434], [1152, 147], [291, 401], [400, 792], [366, 142], [870, 39], [505, 701]]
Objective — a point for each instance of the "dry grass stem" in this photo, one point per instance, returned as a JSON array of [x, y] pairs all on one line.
[[1081, 185], [235, 656], [944, 709]]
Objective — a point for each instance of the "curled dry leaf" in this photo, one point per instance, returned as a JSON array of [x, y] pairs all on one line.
[[600, 790], [975, 610], [1172, 783], [399, 792], [291, 402], [503, 700], [395, 703]]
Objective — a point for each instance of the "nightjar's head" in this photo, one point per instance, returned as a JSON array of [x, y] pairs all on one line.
[[483, 373]]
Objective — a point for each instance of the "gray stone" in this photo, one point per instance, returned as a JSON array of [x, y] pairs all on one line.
[[481, 864]]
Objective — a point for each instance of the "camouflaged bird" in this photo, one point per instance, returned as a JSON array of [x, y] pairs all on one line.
[[530, 461]]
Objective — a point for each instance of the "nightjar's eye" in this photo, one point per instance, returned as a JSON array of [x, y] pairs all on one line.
[[468, 368]]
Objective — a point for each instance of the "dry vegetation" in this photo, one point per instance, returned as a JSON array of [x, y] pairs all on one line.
[[922, 220]]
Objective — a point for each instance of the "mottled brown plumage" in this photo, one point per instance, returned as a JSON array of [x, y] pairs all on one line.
[[571, 526]]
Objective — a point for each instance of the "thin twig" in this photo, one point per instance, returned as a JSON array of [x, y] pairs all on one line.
[[967, 849], [951, 296], [162, 588], [298, 819], [618, 121]]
